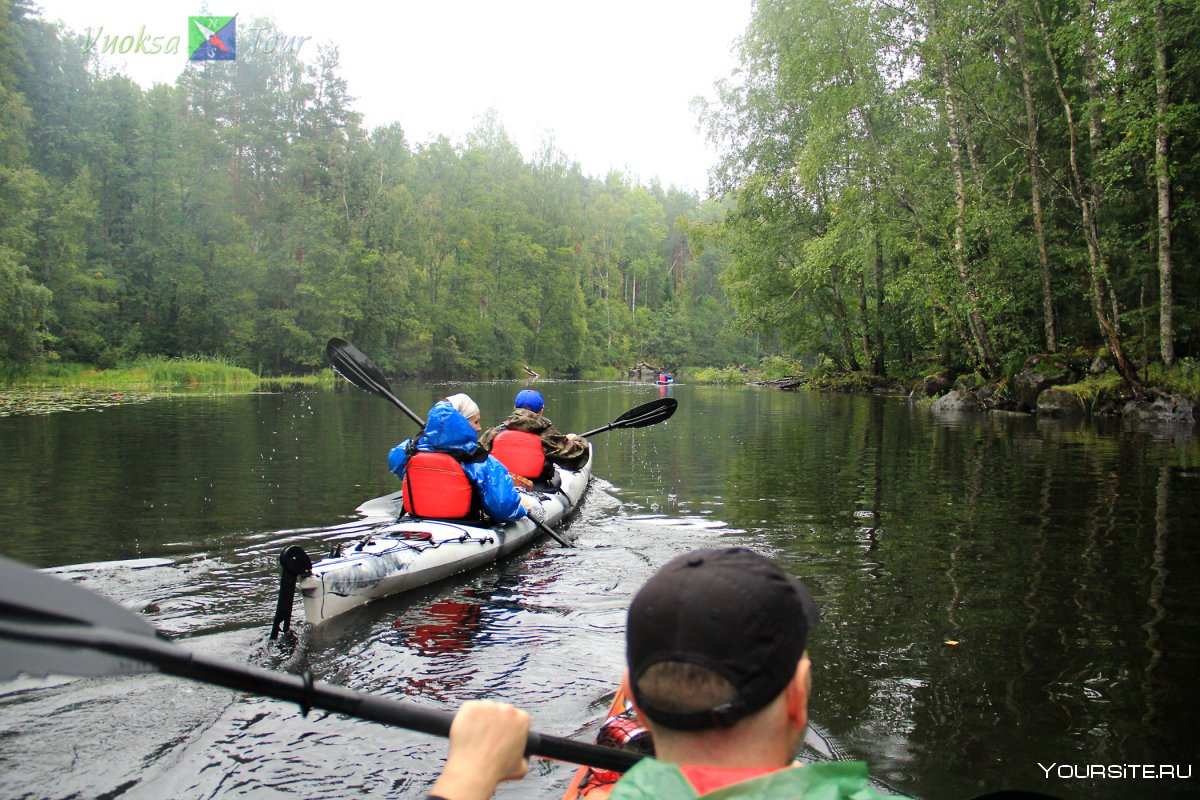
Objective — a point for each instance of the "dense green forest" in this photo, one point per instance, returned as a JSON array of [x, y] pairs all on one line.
[[245, 213], [902, 184], [992, 178]]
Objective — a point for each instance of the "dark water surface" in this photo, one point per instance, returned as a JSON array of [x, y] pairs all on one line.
[[1062, 559]]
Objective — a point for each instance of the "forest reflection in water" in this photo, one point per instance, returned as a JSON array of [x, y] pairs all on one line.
[[998, 592]]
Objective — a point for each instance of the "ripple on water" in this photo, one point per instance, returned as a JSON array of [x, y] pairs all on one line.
[[543, 630]]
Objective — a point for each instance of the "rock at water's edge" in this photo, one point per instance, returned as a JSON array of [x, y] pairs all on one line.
[[1057, 403], [938, 384], [1029, 384], [1165, 408], [957, 400]]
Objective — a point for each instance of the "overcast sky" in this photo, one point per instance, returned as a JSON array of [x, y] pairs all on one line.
[[610, 81]]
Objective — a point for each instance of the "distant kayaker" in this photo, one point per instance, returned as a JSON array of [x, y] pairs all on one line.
[[717, 657], [434, 487], [565, 449]]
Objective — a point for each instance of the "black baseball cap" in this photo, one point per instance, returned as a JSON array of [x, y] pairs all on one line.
[[729, 610]]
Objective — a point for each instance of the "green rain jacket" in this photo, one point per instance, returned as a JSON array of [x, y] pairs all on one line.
[[828, 780]]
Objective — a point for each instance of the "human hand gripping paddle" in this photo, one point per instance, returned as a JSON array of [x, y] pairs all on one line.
[[353, 365], [51, 627]]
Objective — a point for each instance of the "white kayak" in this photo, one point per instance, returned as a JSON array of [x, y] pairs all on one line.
[[410, 552]]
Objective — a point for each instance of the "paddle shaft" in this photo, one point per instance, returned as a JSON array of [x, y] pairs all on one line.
[[175, 660], [550, 532], [387, 395], [594, 431]]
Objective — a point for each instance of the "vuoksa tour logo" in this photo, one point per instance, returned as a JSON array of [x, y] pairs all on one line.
[[208, 39], [212, 38]]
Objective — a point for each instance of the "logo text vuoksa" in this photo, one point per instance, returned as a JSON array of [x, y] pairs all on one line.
[[208, 39]]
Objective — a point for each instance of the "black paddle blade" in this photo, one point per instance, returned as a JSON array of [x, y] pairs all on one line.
[[640, 416], [34, 600], [353, 365], [651, 413]]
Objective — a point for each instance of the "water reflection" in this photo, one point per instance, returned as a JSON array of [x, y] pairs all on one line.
[[451, 626], [1054, 553]]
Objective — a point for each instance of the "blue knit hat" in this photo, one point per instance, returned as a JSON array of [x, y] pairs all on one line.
[[531, 399]]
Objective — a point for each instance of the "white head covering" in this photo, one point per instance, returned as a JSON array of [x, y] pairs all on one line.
[[464, 405]]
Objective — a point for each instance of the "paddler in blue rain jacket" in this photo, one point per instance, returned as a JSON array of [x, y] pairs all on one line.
[[449, 429]]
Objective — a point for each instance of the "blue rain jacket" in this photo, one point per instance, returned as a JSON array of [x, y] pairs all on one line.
[[447, 431]]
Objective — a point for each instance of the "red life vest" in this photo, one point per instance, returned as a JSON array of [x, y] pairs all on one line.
[[436, 486], [520, 452]]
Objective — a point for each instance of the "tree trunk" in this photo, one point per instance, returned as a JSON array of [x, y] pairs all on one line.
[[841, 318], [879, 366], [1088, 12], [1166, 325], [979, 334], [1091, 232], [1035, 178], [864, 321]]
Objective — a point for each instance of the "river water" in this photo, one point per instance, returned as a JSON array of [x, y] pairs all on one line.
[[1061, 557]]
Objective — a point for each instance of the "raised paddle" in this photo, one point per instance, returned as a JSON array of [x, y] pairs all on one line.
[[350, 362], [50, 626], [651, 413], [637, 417]]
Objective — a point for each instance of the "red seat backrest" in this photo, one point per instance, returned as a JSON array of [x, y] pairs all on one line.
[[436, 486], [520, 452]]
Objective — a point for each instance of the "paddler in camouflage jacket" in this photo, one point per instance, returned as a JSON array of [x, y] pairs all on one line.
[[567, 450]]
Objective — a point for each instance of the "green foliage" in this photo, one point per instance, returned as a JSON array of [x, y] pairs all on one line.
[[144, 372], [23, 309], [1095, 389], [775, 367], [879, 156], [851, 382], [602, 374], [1183, 378], [246, 213], [189, 372], [877, 215], [727, 376], [24, 302]]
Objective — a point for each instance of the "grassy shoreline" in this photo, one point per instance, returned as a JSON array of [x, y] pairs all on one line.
[[143, 372], [71, 387]]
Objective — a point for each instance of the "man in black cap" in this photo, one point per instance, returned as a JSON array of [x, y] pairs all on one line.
[[716, 648]]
